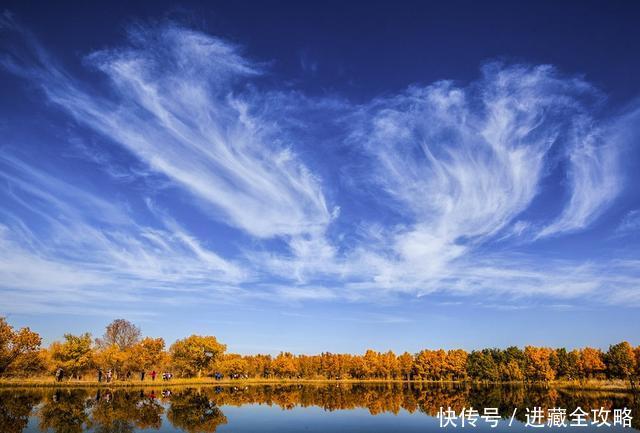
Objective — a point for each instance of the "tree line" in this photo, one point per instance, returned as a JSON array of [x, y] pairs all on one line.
[[123, 351]]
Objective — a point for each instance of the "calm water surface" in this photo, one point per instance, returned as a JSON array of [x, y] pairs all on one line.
[[289, 408]]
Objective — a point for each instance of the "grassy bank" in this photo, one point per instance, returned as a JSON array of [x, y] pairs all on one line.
[[596, 385], [590, 385]]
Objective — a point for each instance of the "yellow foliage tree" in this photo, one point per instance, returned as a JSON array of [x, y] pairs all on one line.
[[195, 354], [145, 354], [19, 350], [537, 364], [590, 362], [74, 355]]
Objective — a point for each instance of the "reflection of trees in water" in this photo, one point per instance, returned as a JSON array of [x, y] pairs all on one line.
[[74, 410], [195, 412], [123, 410], [15, 409], [507, 398], [198, 410], [425, 397], [64, 411]]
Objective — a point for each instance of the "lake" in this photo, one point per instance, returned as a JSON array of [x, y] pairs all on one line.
[[344, 407]]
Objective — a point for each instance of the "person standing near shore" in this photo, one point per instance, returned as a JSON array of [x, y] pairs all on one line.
[[142, 376], [153, 375], [99, 375]]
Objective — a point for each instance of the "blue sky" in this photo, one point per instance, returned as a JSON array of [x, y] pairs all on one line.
[[323, 177]]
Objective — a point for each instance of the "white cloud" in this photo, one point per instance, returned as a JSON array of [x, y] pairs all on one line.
[[460, 165], [630, 223], [594, 177], [464, 163], [175, 108], [64, 244]]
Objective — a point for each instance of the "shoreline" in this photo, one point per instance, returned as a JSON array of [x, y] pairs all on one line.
[[592, 385]]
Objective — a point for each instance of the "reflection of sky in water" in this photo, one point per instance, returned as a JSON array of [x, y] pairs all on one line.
[[287, 408]]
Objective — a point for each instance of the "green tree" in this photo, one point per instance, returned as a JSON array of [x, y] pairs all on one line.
[[482, 365], [511, 364], [560, 362]]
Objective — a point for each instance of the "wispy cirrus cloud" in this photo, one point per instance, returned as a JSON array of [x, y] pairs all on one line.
[[173, 105], [594, 177], [465, 163], [461, 167], [61, 243], [630, 223]]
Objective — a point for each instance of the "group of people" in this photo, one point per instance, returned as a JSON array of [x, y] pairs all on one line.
[[108, 376], [153, 374], [220, 376]]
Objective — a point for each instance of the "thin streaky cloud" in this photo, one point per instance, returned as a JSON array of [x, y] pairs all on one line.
[[174, 107], [458, 173]]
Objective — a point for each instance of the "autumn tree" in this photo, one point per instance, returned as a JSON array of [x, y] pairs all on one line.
[[259, 365], [145, 354], [114, 347], [123, 350], [120, 333], [456, 364], [538, 364], [431, 364], [232, 365], [111, 358], [309, 366], [372, 364], [574, 367], [511, 371], [357, 369], [74, 355], [620, 361], [405, 364], [195, 354], [284, 365], [389, 366], [19, 350], [334, 366], [591, 362]]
